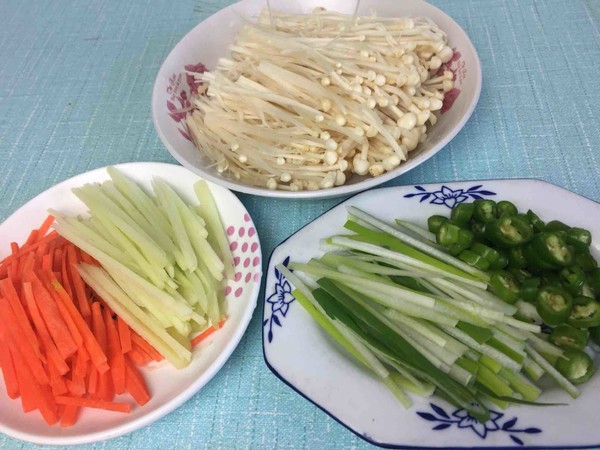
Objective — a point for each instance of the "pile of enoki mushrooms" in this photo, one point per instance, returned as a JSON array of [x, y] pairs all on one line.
[[306, 100]]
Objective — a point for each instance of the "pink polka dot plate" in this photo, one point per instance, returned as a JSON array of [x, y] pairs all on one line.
[[170, 388]]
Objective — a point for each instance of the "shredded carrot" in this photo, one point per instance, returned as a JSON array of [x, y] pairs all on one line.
[[7, 364], [115, 355], [206, 333], [91, 403], [48, 345], [56, 325], [78, 285], [22, 347], [135, 384], [145, 347], [45, 226], [124, 335]]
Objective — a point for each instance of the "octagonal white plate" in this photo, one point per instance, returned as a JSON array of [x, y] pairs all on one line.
[[169, 387], [310, 362]]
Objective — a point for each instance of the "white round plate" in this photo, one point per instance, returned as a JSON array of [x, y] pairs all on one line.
[[169, 387], [211, 39], [310, 362]]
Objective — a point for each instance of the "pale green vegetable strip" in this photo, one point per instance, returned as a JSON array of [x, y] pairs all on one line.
[[550, 370], [425, 234], [129, 208], [214, 225], [432, 251], [106, 210], [137, 319], [140, 199], [168, 200]]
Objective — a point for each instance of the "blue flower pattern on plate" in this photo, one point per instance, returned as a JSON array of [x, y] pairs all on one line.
[[279, 300], [462, 419], [450, 197]]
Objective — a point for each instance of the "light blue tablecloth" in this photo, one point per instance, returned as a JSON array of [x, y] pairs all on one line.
[[75, 85]]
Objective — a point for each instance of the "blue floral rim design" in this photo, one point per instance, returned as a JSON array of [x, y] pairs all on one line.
[[280, 302], [463, 420], [449, 197]]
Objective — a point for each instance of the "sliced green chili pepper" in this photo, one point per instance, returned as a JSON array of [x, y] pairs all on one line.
[[506, 208], [461, 214], [568, 337], [595, 335], [552, 249], [447, 235], [580, 239], [474, 259], [556, 225], [519, 274], [508, 232], [576, 366], [554, 305], [535, 261], [516, 258], [529, 289], [572, 279], [505, 286], [501, 262], [594, 280], [435, 222], [586, 261], [585, 313], [490, 254], [535, 221], [478, 230], [465, 239], [485, 210]]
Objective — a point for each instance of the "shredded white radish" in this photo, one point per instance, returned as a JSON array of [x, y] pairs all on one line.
[[306, 100]]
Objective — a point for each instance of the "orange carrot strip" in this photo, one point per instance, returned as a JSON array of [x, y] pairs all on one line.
[[45, 226], [93, 381], [32, 237], [21, 346], [33, 395], [56, 325], [124, 335], [27, 249], [76, 386], [10, 293], [106, 389], [57, 259], [75, 334], [88, 259], [78, 284], [91, 403], [115, 355], [105, 385], [7, 364], [50, 349], [207, 333], [138, 356], [47, 262], [97, 356], [57, 383], [135, 384], [147, 348], [65, 279], [69, 416]]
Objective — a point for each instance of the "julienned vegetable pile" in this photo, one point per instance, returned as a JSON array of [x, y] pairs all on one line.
[[424, 321], [306, 100], [81, 307]]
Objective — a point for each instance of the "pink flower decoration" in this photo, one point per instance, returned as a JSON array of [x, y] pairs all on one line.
[[449, 99]]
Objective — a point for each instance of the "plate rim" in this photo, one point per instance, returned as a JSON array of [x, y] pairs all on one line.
[[204, 377], [366, 437], [338, 191]]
